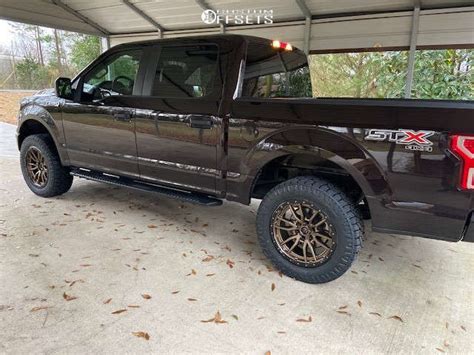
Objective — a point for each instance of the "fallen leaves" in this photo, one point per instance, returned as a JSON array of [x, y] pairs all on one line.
[[152, 226], [273, 287], [146, 296], [216, 319], [359, 303], [344, 312], [396, 318], [375, 314], [119, 311], [107, 301], [207, 258], [230, 263], [39, 308], [192, 299], [68, 297], [143, 335], [304, 320], [193, 272]]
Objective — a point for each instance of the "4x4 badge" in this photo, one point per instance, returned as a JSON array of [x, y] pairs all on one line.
[[412, 140]]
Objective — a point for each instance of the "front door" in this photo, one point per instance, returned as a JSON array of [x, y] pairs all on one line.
[[100, 128], [177, 124]]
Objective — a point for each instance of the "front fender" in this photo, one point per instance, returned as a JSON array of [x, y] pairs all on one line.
[[49, 118]]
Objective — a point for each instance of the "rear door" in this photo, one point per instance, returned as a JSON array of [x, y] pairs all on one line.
[[100, 128], [177, 124]]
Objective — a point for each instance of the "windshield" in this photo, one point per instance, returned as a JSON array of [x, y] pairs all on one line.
[[271, 72]]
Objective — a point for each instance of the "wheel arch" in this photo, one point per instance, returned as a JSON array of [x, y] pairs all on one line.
[[320, 147], [30, 125]]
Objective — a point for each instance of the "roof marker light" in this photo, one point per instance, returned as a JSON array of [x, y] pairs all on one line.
[[282, 45]]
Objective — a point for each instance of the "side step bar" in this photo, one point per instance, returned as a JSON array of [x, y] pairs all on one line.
[[192, 197]]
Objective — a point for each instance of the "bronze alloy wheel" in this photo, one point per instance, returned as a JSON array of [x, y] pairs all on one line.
[[303, 233], [36, 167]]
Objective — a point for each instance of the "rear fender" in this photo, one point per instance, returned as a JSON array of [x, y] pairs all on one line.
[[338, 148]]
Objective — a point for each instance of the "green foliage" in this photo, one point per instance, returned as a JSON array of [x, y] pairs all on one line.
[[84, 50], [438, 74], [31, 75]]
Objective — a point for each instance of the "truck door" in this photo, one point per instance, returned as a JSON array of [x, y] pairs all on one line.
[[99, 127], [177, 125]]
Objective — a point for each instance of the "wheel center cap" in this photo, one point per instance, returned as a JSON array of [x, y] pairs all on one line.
[[304, 230]]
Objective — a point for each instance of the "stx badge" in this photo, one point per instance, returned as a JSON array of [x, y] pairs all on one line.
[[412, 140]]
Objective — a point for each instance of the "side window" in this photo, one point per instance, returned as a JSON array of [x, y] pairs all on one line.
[[275, 73], [116, 76], [187, 71]]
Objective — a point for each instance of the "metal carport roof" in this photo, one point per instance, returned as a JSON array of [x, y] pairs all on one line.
[[315, 25]]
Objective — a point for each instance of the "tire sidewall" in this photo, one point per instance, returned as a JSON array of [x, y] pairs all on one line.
[[341, 257], [38, 143]]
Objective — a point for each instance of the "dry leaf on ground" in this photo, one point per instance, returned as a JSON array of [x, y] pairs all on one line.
[[119, 311], [35, 309], [143, 335], [68, 297], [217, 319], [396, 318], [310, 319], [146, 296]]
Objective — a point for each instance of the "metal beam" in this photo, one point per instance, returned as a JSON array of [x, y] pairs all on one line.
[[304, 8], [413, 42], [307, 24], [143, 15], [81, 17], [203, 5]]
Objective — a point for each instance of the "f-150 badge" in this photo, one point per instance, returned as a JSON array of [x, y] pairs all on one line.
[[412, 140]]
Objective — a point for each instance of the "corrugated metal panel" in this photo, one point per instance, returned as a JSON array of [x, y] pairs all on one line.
[[357, 32], [177, 16]]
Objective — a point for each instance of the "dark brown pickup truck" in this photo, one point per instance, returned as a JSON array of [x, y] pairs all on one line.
[[231, 117]]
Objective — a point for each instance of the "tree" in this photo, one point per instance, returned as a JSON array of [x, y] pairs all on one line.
[[84, 50], [438, 74]]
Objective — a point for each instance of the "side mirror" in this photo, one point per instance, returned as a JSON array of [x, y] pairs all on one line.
[[63, 88]]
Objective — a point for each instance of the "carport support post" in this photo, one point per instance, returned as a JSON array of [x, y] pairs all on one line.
[[413, 42], [307, 24], [104, 44]]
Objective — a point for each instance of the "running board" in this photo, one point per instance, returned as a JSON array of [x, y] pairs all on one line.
[[192, 197]]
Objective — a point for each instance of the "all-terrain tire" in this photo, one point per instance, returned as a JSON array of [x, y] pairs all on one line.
[[59, 180], [344, 217]]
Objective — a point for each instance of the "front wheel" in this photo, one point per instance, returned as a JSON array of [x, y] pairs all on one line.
[[309, 229], [41, 167]]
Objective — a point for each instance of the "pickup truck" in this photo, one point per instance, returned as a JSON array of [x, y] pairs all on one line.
[[230, 117]]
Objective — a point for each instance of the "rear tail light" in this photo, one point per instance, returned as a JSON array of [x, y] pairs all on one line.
[[463, 146]]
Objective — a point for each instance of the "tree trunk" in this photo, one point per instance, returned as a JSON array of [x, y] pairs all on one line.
[[58, 51], [38, 45]]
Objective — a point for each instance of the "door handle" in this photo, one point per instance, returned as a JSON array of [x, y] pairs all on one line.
[[201, 122], [122, 116]]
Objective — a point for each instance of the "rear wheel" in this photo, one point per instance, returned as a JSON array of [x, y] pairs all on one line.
[[41, 167], [309, 229]]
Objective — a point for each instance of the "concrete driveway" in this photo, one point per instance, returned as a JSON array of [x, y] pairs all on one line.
[[101, 269]]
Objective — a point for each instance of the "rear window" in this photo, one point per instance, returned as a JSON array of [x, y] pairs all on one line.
[[273, 72]]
